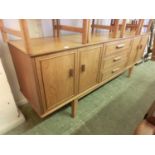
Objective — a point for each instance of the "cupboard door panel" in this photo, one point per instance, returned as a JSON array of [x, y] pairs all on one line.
[[58, 78], [134, 51], [142, 46], [89, 67]]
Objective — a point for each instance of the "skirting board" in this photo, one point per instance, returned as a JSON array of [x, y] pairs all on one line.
[[21, 102], [13, 124]]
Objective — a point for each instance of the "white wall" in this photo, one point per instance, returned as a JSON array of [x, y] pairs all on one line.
[[10, 72]]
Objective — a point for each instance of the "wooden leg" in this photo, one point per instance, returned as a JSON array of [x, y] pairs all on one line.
[[130, 71], [145, 128], [74, 108]]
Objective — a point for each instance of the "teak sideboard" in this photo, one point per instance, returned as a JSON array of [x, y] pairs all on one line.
[[59, 71]]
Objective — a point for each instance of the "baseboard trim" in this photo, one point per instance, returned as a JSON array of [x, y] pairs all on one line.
[[13, 124], [21, 102]]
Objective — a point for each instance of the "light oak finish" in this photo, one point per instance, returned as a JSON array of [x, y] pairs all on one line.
[[114, 27], [106, 27], [130, 71], [89, 67], [114, 47], [62, 70], [123, 28], [134, 51], [74, 107], [25, 34], [139, 26], [26, 74], [42, 46], [115, 59], [84, 30], [4, 34], [114, 62], [55, 71], [141, 47], [57, 77], [13, 32], [112, 71], [135, 26], [71, 28]]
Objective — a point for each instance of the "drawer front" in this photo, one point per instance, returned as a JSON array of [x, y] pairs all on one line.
[[116, 46], [115, 59], [106, 74]]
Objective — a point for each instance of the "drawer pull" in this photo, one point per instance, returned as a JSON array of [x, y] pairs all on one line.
[[71, 73], [117, 58], [115, 70], [120, 46], [83, 68]]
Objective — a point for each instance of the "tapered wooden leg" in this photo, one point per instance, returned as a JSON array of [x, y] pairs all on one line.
[[130, 71], [74, 108]]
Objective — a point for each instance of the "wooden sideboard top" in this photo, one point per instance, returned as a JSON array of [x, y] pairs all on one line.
[[46, 45]]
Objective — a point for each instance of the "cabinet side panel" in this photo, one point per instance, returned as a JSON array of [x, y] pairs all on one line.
[[26, 77], [153, 54]]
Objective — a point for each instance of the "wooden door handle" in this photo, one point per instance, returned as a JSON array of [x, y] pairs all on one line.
[[141, 46], [101, 76], [71, 72], [83, 68], [120, 46], [115, 70], [117, 58]]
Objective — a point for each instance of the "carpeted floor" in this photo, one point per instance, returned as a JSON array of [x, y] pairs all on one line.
[[115, 108]]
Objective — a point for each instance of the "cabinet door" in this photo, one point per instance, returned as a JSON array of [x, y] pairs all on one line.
[[142, 46], [57, 77], [89, 67], [134, 50]]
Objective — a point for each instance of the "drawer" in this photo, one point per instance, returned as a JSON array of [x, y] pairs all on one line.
[[112, 71], [116, 46], [114, 59]]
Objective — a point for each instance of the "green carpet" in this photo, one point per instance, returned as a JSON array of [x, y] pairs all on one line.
[[115, 108]]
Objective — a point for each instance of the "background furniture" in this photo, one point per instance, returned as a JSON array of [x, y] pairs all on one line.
[[10, 116], [84, 30], [114, 27], [153, 40]]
